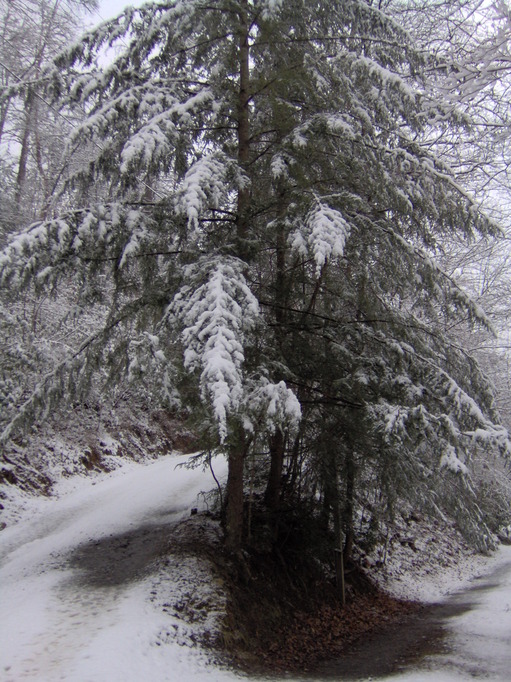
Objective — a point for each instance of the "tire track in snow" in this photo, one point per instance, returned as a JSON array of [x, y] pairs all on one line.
[[73, 620]]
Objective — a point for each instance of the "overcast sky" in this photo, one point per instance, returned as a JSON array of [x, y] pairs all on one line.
[[110, 8]]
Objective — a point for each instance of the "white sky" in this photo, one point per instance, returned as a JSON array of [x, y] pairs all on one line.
[[111, 8]]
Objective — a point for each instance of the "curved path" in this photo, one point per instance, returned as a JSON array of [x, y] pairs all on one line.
[[75, 579], [468, 637]]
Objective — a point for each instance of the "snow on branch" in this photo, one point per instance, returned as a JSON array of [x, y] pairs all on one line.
[[430, 277], [451, 461], [154, 141], [270, 8], [324, 235], [150, 145], [387, 79], [71, 375], [47, 248], [270, 405], [453, 417], [203, 186], [34, 252], [217, 312]]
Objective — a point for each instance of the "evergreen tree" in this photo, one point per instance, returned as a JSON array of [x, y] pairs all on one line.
[[266, 244]]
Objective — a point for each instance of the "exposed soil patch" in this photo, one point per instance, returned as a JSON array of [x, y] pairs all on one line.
[[334, 632], [399, 646], [283, 610], [393, 646], [310, 640], [119, 559]]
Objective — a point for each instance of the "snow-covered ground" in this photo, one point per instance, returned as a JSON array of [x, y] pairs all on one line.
[[440, 564], [53, 627], [479, 639], [61, 619]]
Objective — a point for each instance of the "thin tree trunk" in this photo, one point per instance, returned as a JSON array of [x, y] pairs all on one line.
[[4, 109], [31, 115], [280, 276], [240, 443], [25, 146], [277, 441], [273, 488], [349, 531], [5, 80], [294, 469], [234, 493], [244, 192]]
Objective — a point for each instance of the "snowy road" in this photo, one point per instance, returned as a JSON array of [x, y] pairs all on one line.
[[62, 620], [76, 600], [467, 637], [477, 643]]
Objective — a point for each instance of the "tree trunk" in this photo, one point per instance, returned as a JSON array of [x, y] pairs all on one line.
[[349, 531], [240, 444], [244, 192], [4, 108], [280, 277], [22, 164], [278, 441], [234, 493], [273, 488]]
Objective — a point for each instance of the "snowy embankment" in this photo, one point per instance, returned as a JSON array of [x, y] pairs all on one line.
[[63, 619], [429, 560]]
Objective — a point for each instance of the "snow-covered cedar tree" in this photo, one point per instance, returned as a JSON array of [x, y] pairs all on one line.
[[265, 241]]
